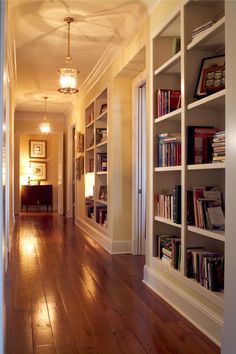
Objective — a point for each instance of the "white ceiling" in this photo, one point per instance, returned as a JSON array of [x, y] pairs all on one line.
[[41, 43]]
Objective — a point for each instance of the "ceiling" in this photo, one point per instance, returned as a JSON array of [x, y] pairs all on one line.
[[41, 43]]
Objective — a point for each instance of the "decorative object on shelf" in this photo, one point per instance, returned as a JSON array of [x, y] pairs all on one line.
[[101, 135], [79, 167], [39, 170], [45, 125], [103, 108], [103, 193], [212, 76], [37, 149], [68, 75], [80, 142]]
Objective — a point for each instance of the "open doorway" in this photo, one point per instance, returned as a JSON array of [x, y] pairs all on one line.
[[139, 166], [39, 163]]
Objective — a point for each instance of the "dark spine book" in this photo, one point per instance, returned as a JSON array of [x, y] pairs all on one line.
[[190, 208], [177, 204]]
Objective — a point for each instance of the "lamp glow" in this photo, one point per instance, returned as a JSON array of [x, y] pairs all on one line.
[[45, 125], [68, 75]]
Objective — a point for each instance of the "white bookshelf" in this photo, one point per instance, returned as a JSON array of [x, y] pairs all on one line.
[[96, 165], [175, 71]]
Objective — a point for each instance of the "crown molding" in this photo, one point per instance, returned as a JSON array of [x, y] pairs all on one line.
[[115, 49]]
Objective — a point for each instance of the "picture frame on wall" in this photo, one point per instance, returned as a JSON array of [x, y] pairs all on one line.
[[80, 142], [211, 77], [39, 170], [38, 149], [79, 167]]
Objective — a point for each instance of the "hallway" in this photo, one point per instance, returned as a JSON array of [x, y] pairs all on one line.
[[65, 294]]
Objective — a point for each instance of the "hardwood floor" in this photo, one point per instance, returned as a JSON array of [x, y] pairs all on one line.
[[65, 294]]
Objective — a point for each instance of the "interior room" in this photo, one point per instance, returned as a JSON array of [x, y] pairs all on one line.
[[117, 167]]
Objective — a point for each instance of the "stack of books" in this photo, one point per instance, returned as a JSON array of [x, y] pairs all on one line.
[[202, 28], [169, 149], [206, 267], [101, 162], [168, 101], [206, 208], [169, 250], [218, 146]]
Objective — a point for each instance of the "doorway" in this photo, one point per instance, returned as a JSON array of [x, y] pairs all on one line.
[[73, 172], [139, 167]]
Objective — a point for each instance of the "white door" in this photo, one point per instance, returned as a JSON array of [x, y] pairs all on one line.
[[139, 168], [60, 180]]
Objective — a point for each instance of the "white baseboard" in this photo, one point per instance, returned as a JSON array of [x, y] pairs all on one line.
[[113, 247], [205, 319]]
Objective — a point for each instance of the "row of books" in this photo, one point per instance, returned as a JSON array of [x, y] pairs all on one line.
[[169, 149], [205, 208], [218, 146], [206, 267], [168, 100], [168, 205], [169, 250]]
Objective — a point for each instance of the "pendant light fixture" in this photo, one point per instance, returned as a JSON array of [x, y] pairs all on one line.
[[45, 125], [68, 75]]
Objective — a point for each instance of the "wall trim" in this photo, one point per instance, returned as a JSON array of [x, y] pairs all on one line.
[[113, 247], [200, 316]]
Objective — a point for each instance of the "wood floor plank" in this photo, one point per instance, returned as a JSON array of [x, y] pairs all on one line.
[[66, 295]]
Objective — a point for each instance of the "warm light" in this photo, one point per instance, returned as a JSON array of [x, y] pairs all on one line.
[[45, 125], [89, 184], [68, 75], [27, 247]]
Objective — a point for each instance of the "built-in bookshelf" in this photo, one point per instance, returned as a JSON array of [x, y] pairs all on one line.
[[189, 152], [96, 162]]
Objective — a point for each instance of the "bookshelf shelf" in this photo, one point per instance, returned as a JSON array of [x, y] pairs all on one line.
[[211, 38], [96, 161], [215, 101], [217, 235], [90, 148], [167, 169], [172, 66], [102, 115], [101, 144], [167, 221], [173, 116], [101, 201], [101, 172], [207, 166], [90, 124]]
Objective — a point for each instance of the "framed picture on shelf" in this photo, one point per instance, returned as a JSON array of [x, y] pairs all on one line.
[[79, 167], [38, 149], [80, 142], [211, 77], [101, 135], [103, 108], [103, 193], [39, 170]]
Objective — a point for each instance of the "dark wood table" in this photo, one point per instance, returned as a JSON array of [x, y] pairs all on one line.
[[36, 195]]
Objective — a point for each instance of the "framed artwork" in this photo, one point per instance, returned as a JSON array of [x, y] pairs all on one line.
[[103, 193], [80, 142], [79, 167], [103, 108], [39, 170], [211, 77], [37, 149]]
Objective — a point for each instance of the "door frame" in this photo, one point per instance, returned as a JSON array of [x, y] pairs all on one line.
[[138, 81], [17, 201]]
